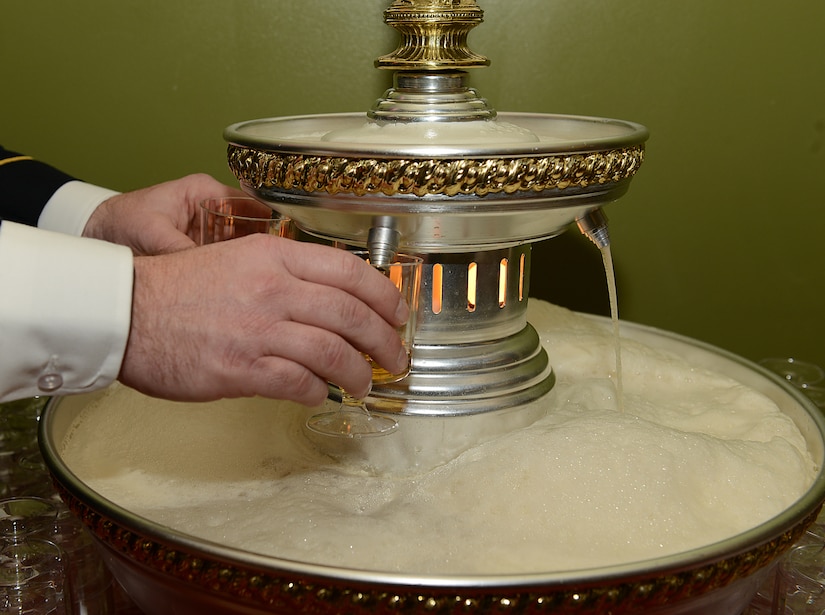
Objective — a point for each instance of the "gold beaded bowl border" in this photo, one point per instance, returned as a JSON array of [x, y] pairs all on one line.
[[290, 592], [448, 177]]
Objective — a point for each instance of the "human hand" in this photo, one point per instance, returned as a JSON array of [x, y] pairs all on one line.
[[159, 219], [260, 315]]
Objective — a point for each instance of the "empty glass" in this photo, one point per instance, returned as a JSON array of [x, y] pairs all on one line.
[[33, 573], [33, 579], [225, 218], [802, 581], [353, 419], [92, 585]]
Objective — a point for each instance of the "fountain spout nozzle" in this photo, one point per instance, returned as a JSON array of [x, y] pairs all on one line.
[[382, 241], [593, 225]]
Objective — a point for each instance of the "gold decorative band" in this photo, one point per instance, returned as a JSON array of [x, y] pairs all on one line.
[[291, 591], [14, 159], [423, 177]]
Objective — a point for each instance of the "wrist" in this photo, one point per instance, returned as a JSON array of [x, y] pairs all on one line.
[[71, 207]]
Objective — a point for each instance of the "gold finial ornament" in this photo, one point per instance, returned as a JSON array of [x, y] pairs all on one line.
[[430, 64], [434, 35]]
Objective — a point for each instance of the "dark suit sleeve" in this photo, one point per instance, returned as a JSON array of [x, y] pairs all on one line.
[[26, 185]]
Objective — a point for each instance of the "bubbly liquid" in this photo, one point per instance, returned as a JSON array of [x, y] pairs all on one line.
[[610, 274], [382, 376], [695, 457]]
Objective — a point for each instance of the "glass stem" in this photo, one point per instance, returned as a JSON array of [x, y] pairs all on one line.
[[353, 402]]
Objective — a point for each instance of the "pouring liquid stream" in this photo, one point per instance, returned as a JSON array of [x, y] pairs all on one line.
[[610, 274]]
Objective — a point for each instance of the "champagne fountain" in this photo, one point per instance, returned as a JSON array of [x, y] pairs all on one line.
[[509, 487], [432, 169]]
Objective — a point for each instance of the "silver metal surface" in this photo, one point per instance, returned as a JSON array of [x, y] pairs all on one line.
[[432, 169], [431, 97], [593, 225], [474, 350], [453, 187], [465, 378], [354, 135], [382, 241], [469, 197]]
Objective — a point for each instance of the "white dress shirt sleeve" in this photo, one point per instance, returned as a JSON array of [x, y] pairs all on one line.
[[65, 301], [70, 207]]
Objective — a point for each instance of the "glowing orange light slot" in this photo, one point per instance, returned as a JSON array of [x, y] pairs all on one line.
[[502, 283], [472, 273], [437, 288]]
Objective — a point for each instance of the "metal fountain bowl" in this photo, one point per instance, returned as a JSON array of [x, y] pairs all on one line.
[[446, 186], [166, 571], [464, 195], [434, 170]]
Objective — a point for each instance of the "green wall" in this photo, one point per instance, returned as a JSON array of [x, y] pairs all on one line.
[[719, 237]]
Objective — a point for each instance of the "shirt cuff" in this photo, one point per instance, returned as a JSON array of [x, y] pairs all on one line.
[[69, 208], [65, 312]]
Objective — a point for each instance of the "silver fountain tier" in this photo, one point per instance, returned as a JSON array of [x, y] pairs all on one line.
[[433, 169]]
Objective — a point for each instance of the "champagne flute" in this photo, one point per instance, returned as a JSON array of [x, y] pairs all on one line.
[[353, 419]]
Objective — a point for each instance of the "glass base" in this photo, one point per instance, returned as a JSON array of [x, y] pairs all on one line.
[[351, 423]]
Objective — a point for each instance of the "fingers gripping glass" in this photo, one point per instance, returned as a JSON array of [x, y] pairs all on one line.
[[353, 419]]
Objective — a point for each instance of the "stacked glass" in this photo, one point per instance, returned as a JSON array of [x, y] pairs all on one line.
[[48, 561], [797, 586]]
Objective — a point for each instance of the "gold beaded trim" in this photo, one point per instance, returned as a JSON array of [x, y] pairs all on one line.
[[293, 593], [446, 177]]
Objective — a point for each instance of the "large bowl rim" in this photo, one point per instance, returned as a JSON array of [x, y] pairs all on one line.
[[800, 511], [617, 134]]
